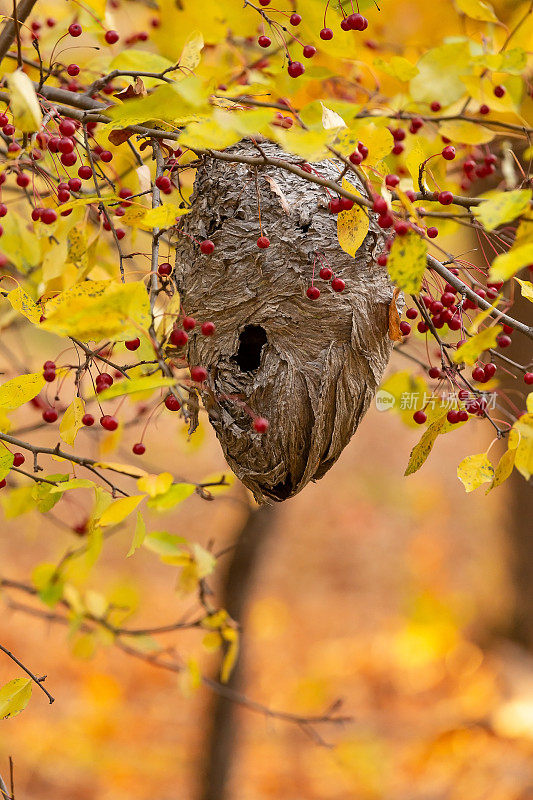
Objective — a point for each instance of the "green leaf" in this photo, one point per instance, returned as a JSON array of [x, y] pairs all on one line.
[[473, 471], [470, 351], [42, 493], [407, 262], [503, 207], [14, 697], [164, 543], [17, 391], [506, 265]]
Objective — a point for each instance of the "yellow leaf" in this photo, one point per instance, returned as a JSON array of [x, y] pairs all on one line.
[[473, 471], [397, 67], [192, 52], [14, 697], [404, 393], [415, 156], [27, 116], [77, 245], [6, 462], [529, 402], [524, 451], [527, 289], [477, 9], [94, 310], [352, 225], [506, 265], [71, 422], [177, 493], [506, 463], [205, 561], [139, 535], [23, 303], [120, 509], [423, 448], [18, 391], [162, 217], [231, 636], [133, 386], [407, 262], [470, 351], [310, 144], [483, 315], [463, 132], [132, 60], [374, 134], [439, 73], [125, 469], [155, 484], [503, 207]]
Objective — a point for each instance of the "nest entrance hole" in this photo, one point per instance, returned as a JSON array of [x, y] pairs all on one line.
[[251, 342]]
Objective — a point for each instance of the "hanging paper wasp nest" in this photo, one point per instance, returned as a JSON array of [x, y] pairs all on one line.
[[310, 367]]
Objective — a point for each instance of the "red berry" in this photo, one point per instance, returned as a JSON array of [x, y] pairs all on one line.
[[503, 340], [401, 227], [260, 424], [207, 247], [347, 204], [478, 374], [178, 338], [132, 344], [422, 327], [138, 449], [338, 285], [295, 69], [105, 379], [385, 221], [208, 328], [85, 172], [434, 372], [163, 182], [416, 124], [50, 414], [3, 482], [380, 205], [499, 90], [264, 41], [75, 29], [490, 370], [382, 259], [198, 374], [73, 70], [463, 416], [326, 273], [405, 328], [106, 156], [22, 180], [189, 323], [111, 37], [313, 293], [335, 205], [172, 403], [432, 232], [164, 269], [363, 149], [453, 416], [48, 216], [263, 242], [108, 422], [49, 375], [18, 459], [445, 198], [309, 51], [326, 34], [392, 181], [435, 106], [484, 109], [449, 153], [528, 378], [87, 420], [411, 313], [295, 19], [74, 184], [356, 158], [419, 417]]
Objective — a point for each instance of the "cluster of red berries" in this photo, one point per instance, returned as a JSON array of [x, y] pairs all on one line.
[[326, 273], [478, 166], [180, 336]]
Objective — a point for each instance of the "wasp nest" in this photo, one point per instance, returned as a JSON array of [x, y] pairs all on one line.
[[311, 367]]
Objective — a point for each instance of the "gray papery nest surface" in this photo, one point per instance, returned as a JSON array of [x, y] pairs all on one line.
[[310, 367]]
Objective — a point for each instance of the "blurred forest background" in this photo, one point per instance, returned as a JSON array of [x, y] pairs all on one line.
[[397, 595]]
